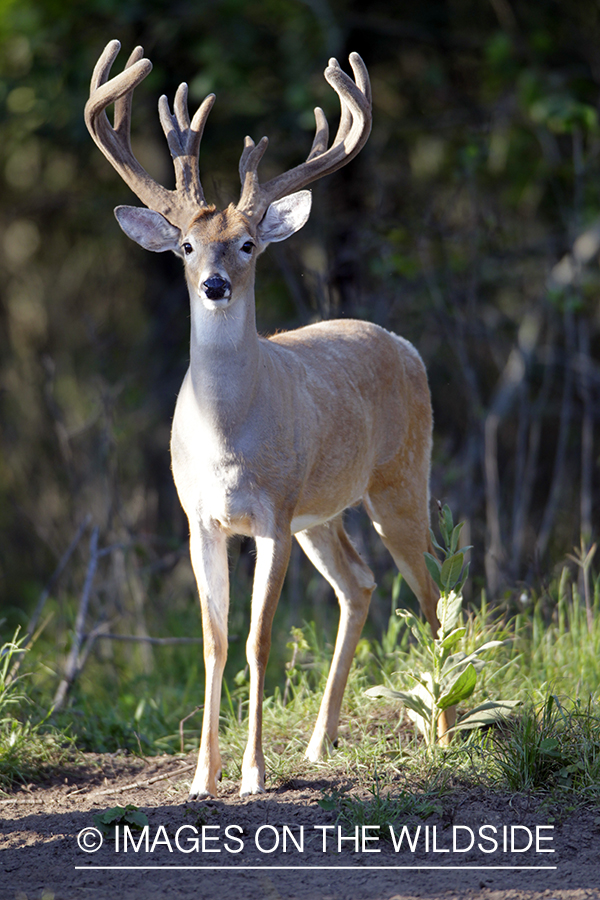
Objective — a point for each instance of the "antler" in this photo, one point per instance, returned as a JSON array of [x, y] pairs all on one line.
[[353, 131], [184, 137], [182, 204]]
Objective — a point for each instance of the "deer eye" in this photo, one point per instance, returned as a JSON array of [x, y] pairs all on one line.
[[187, 248], [248, 247]]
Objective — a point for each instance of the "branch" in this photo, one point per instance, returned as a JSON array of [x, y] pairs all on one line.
[[144, 639], [72, 665], [561, 444]]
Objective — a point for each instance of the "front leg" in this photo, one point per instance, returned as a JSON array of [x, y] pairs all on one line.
[[208, 550], [271, 564]]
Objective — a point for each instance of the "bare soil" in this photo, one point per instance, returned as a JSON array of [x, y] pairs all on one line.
[[244, 855]]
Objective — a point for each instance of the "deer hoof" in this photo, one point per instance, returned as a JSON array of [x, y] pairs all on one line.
[[252, 782]]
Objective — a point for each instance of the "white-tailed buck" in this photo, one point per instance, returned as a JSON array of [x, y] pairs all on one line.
[[274, 437]]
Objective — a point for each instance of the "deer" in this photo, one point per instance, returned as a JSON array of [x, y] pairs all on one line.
[[274, 437]]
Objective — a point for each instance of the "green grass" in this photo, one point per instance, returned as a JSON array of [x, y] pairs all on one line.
[[551, 746], [552, 749], [30, 752], [381, 809], [553, 647], [28, 749]]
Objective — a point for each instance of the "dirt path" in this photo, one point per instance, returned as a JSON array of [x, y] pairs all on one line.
[[282, 846]]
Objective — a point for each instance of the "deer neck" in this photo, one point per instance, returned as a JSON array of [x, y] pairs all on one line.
[[224, 358]]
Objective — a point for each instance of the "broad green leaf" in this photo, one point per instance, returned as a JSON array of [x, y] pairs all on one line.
[[488, 646], [113, 815], [455, 536], [550, 747], [380, 690], [465, 573], [453, 661], [450, 664], [424, 679], [451, 569], [417, 704], [486, 714], [434, 568], [453, 638], [448, 522], [461, 688], [448, 611], [435, 542], [137, 818], [410, 700], [418, 628]]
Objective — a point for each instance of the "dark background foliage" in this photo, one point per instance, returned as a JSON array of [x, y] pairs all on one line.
[[470, 223]]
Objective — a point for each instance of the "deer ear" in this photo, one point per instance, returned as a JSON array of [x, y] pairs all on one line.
[[148, 229], [284, 217]]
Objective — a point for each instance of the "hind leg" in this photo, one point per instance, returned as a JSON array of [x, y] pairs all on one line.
[[330, 550], [403, 525]]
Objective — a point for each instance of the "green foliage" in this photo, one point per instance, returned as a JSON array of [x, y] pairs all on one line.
[[550, 748], [144, 719], [11, 692], [553, 646], [351, 811], [27, 750], [450, 573], [450, 678], [450, 674], [374, 757], [130, 815]]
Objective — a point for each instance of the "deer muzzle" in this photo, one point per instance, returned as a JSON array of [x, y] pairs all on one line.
[[217, 288]]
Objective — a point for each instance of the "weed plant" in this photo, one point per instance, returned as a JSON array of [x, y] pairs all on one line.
[[448, 674], [554, 648], [380, 809], [27, 750], [553, 748]]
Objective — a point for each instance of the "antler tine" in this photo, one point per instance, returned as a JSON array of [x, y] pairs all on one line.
[[184, 140], [321, 139], [361, 77], [104, 92], [352, 133], [122, 119], [251, 156], [345, 112], [178, 206], [104, 64]]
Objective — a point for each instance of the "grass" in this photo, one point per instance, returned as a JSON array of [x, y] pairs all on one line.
[[551, 746], [381, 809], [552, 643], [28, 750], [551, 749]]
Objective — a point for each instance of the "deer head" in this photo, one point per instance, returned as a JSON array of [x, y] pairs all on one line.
[[219, 248]]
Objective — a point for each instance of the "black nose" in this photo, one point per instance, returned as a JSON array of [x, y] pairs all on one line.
[[216, 287]]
